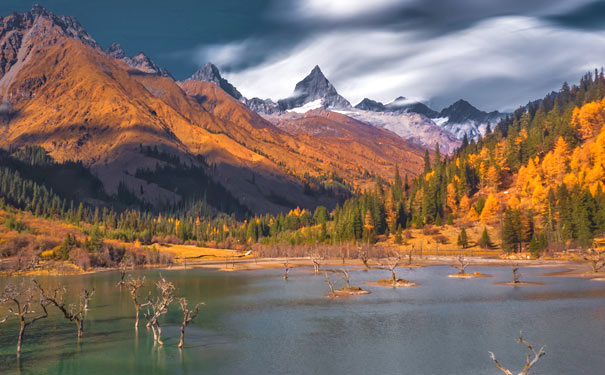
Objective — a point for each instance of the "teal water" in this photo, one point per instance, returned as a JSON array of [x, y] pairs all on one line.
[[254, 322]]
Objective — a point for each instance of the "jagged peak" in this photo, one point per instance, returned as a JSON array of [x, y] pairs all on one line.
[[116, 50], [67, 25], [211, 73]]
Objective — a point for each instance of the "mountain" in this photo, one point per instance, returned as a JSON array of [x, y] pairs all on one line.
[[263, 106], [414, 127], [140, 61], [399, 105], [314, 88], [461, 118], [210, 73], [371, 105], [143, 135]]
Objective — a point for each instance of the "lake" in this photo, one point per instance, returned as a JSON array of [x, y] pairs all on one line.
[[254, 322]]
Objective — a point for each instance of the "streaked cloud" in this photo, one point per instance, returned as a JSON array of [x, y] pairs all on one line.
[[498, 63], [344, 9]]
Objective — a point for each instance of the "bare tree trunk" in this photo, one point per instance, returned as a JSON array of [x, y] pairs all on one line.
[[159, 329], [21, 334], [182, 340], [137, 309], [80, 326]]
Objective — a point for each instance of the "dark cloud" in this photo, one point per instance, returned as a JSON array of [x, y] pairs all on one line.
[[496, 54]]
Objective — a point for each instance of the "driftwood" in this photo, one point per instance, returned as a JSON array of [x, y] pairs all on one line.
[[529, 361], [159, 306], [24, 302], [188, 316]]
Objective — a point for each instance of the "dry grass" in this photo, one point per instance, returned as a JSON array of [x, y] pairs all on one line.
[[181, 252]]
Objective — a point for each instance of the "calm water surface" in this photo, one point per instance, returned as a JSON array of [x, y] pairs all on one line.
[[256, 323]]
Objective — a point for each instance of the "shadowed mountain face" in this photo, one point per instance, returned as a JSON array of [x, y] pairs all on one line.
[[61, 91]]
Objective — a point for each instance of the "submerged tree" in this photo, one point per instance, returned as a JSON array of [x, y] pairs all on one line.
[[330, 284], [133, 285], [188, 316], [24, 301], [316, 259], [516, 274], [363, 255], [286, 269], [529, 362], [74, 312], [159, 306]]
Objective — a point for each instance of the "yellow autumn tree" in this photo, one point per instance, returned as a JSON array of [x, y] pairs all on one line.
[[490, 209], [493, 178], [589, 118], [451, 200]]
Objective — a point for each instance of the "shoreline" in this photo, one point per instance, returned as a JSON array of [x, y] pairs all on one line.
[[571, 268]]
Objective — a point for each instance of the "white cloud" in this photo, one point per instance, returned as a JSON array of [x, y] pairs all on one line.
[[523, 52], [343, 9]]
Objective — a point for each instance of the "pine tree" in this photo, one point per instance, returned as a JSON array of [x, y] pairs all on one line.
[[485, 241], [463, 239]]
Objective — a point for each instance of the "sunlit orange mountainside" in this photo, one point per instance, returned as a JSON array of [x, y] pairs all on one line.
[[61, 91]]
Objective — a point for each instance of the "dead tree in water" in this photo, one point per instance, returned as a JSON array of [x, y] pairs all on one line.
[[596, 259], [24, 301], [133, 286], [410, 256], [73, 312], [529, 362], [516, 274], [330, 284], [188, 316], [363, 255], [286, 270], [86, 296], [316, 258], [345, 277], [393, 264], [159, 307], [462, 264]]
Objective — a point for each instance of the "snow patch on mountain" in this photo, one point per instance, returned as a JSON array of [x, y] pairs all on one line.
[[315, 104]]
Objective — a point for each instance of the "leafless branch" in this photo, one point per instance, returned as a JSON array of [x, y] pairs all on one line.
[[159, 306], [462, 263], [529, 361], [73, 312], [23, 300], [188, 316]]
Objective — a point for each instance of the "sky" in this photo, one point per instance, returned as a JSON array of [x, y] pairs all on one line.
[[497, 54]]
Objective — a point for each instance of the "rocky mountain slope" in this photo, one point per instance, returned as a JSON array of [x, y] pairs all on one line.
[[61, 91], [139, 61]]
